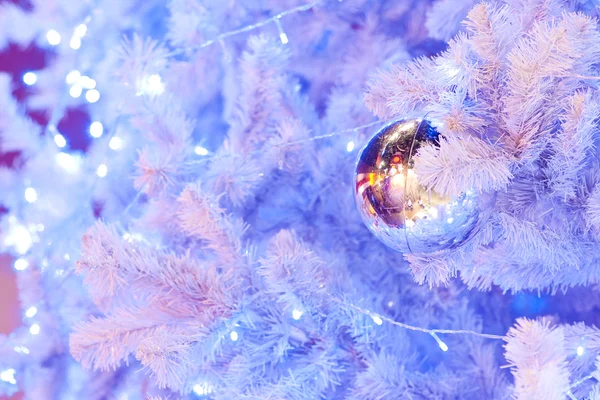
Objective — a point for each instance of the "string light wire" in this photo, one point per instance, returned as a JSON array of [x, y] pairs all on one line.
[[273, 19], [432, 332]]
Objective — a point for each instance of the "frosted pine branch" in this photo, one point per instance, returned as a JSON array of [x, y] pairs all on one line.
[[292, 272], [104, 343], [177, 286], [433, 269], [550, 50], [155, 172], [536, 353], [200, 216], [461, 164], [402, 90], [259, 102], [593, 209], [571, 147]]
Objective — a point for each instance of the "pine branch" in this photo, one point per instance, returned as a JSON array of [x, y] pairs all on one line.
[[462, 164], [537, 356]]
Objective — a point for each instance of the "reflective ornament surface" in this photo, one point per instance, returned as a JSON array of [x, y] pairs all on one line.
[[402, 213]]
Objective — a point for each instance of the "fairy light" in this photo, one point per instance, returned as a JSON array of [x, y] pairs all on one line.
[[29, 78], [92, 96], [377, 319], [18, 237], [439, 341], [115, 143], [96, 129], [297, 314], [21, 349], [151, 85], [31, 311], [80, 30], [68, 162], [86, 82], [282, 35], [8, 375], [21, 264], [34, 329], [102, 170], [350, 146], [53, 37], [580, 350], [30, 195], [60, 140], [201, 151], [202, 389], [390, 304], [234, 336], [72, 77], [75, 42], [75, 91]]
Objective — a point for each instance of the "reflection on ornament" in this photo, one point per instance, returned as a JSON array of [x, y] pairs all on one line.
[[401, 212]]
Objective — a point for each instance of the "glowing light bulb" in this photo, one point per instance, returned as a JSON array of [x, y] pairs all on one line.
[[34, 329], [30, 195], [297, 314], [234, 336], [75, 91], [151, 85], [8, 375], [80, 30], [439, 341], [21, 264], [377, 320], [31, 311], [92, 96], [282, 36], [19, 238], [53, 37], [60, 140], [202, 389], [72, 77], [21, 349], [580, 350], [86, 82], [201, 151], [96, 129], [68, 162], [350, 146], [450, 220], [115, 143], [75, 42], [453, 72], [29, 78], [390, 303], [102, 170]]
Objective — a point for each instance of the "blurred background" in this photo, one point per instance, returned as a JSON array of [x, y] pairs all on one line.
[[9, 303]]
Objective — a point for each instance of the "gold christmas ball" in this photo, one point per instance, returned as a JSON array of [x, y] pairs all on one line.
[[402, 213]]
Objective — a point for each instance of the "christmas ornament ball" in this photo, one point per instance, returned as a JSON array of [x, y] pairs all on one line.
[[401, 212]]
